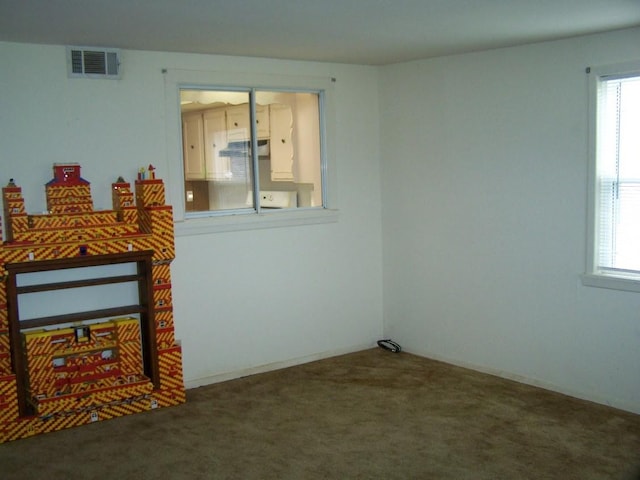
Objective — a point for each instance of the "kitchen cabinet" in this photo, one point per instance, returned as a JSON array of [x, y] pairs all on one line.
[[215, 140], [193, 146], [206, 134], [263, 122], [238, 122], [281, 145]]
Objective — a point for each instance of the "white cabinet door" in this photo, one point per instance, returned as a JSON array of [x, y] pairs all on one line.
[[238, 123], [215, 140], [262, 122], [193, 151], [280, 145]]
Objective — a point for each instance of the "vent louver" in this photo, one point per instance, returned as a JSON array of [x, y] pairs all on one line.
[[92, 62]]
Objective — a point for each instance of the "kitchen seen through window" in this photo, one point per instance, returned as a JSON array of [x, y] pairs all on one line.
[[248, 151]]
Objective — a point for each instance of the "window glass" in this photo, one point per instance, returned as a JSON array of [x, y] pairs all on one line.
[[247, 151], [616, 199], [618, 167]]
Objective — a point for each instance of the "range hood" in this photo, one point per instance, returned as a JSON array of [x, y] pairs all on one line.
[[243, 149]]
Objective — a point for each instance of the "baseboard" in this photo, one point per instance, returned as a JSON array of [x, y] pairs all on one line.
[[613, 403], [245, 372]]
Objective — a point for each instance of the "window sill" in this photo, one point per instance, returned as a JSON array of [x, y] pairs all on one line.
[[239, 222], [611, 282]]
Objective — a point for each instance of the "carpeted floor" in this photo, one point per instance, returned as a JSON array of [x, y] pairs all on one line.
[[367, 415]]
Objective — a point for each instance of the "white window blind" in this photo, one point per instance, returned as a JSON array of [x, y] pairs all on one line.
[[617, 220]]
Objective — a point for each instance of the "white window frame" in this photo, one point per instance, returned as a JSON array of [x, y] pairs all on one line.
[[177, 79], [593, 276]]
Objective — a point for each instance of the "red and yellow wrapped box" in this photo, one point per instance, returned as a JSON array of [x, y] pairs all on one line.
[[168, 397], [121, 389], [70, 207], [91, 337], [4, 318], [59, 190], [26, 252], [165, 338], [170, 365], [163, 318], [49, 376], [17, 224], [67, 341], [162, 297], [121, 196], [46, 343], [43, 369], [76, 235], [5, 342], [129, 215], [11, 193], [162, 246], [12, 196], [161, 273], [14, 206], [51, 389], [127, 329], [131, 359], [137, 405], [74, 220], [21, 428], [103, 335], [8, 398], [157, 219], [149, 193], [5, 363], [94, 379]]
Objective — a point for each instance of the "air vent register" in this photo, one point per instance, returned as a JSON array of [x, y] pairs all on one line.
[[93, 62]]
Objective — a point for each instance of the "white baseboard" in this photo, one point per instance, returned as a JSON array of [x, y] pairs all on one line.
[[245, 372], [613, 403]]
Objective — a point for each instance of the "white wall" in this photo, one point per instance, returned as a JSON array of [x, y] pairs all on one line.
[[242, 300], [483, 176], [484, 218]]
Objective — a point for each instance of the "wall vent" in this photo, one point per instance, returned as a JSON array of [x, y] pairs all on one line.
[[93, 62]]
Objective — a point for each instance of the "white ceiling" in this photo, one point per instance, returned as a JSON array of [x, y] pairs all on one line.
[[374, 32]]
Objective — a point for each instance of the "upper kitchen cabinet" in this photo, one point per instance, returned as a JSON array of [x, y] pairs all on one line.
[[193, 146], [217, 167], [281, 144], [204, 136], [238, 122], [263, 123]]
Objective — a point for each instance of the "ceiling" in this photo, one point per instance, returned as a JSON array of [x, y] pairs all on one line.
[[373, 32]]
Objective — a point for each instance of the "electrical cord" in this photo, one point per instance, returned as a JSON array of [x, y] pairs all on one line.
[[390, 345]]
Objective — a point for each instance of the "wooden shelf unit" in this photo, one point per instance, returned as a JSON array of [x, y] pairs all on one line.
[[144, 307]]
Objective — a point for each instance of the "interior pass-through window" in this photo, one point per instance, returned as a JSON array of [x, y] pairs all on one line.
[[246, 150]]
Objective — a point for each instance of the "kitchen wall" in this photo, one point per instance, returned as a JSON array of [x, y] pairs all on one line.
[[484, 218], [243, 301]]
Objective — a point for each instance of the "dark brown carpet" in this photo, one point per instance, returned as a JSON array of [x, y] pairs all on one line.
[[367, 415]]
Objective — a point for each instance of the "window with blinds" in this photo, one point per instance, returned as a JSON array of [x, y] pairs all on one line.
[[616, 183]]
